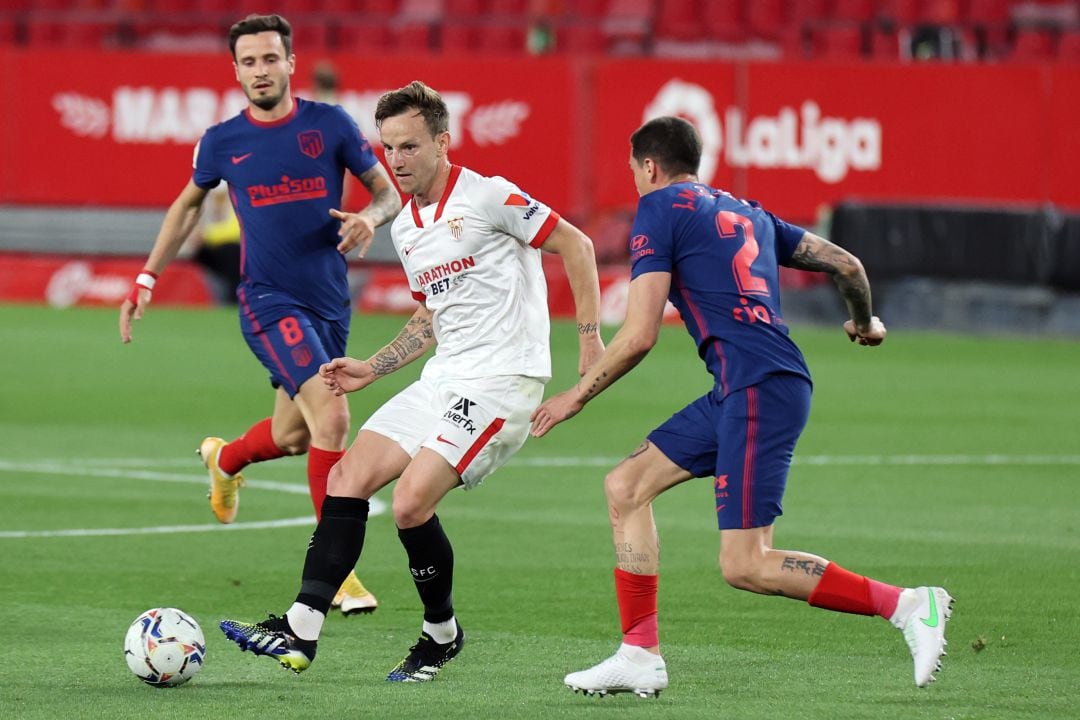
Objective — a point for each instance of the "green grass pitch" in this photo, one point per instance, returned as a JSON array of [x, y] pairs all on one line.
[[930, 460]]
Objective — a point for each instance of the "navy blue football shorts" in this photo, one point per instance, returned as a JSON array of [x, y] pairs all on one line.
[[293, 346], [745, 442]]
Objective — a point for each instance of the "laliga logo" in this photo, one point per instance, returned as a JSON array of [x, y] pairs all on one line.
[[829, 146]]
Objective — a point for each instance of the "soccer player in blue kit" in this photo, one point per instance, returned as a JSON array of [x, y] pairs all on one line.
[[716, 259], [284, 160]]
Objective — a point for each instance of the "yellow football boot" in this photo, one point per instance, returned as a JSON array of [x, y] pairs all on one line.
[[224, 488]]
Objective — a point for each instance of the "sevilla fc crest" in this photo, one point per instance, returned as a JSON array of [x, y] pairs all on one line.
[[311, 143]]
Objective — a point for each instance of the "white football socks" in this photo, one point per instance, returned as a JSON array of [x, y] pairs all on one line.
[[305, 621], [443, 632]]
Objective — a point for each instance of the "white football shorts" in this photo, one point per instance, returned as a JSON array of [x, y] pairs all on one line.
[[477, 424]]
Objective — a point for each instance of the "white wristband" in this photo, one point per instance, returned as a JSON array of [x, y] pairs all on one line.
[[146, 280]]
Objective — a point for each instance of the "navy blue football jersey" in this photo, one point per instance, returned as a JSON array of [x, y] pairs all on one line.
[[723, 255], [284, 177]]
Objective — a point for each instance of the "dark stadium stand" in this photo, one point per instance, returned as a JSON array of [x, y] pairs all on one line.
[[883, 30]]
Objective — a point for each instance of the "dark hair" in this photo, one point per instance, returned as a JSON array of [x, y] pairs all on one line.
[[253, 24], [671, 142], [415, 96]]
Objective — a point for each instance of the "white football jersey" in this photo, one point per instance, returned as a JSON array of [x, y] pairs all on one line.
[[473, 258]]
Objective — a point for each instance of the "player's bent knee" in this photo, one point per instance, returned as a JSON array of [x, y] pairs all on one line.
[[409, 514], [623, 489], [294, 442], [343, 482], [740, 575], [333, 428]]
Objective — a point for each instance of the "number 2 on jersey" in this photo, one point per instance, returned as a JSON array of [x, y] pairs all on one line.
[[726, 222]]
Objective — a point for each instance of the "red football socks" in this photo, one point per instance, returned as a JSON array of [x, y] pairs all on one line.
[[844, 591], [637, 608], [256, 445], [319, 463]]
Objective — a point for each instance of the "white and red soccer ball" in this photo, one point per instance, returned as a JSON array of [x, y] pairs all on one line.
[[164, 647]]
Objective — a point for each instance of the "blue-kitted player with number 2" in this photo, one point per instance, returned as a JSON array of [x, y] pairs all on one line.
[[716, 258]]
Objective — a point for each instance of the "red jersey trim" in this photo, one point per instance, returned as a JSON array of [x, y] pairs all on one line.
[[273, 123], [419, 297], [476, 447], [455, 172], [545, 229]]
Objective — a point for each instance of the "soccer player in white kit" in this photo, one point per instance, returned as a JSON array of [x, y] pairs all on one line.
[[470, 246]]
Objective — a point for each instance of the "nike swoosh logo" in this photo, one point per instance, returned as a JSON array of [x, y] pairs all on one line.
[[408, 250], [441, 439], [932, 619], [237, 159]]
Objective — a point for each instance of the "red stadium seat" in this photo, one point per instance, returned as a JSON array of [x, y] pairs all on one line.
[[309, 37], [295, 10], [679, 20], [458, 36], [372, 9], [8, 31], [224, 8], [415, 37], [579, 38], [626, 25], [463, 9], [803, 11], [836, 42], [369, 38], [766, 18], [503, 39], [353, 8], [1069, 47], [1033, 44], [40, 5], [899, 12], [792, 42], [502, 8], [88, 34], [44, 33], [940, 12], [722, 20], [413, 12], [586, 9], [172, 7], [887, 44], [985, 11], [852, 10]]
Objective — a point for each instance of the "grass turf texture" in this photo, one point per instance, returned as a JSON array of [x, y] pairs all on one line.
[[119, 425]]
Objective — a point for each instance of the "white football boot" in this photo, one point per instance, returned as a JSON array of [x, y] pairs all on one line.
[[921, 615], [630, 669]]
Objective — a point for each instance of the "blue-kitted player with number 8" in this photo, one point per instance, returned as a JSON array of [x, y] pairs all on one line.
[[284, 160], [716, 259]]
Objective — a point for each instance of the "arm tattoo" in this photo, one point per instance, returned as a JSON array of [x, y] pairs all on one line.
[[385, 202], [594, 389], [412, 338], [587, 328], [820, 255], [810, 567]]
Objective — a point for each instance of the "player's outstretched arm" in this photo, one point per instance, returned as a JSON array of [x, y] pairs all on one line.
[[343, 375], [633, 341], [818, 254], [576, 250], [180, 220], [358, 229]]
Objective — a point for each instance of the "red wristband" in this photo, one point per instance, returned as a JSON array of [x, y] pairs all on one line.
[[145, 279]]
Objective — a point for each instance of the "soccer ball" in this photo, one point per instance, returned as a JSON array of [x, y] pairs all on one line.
[[164, 647]]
